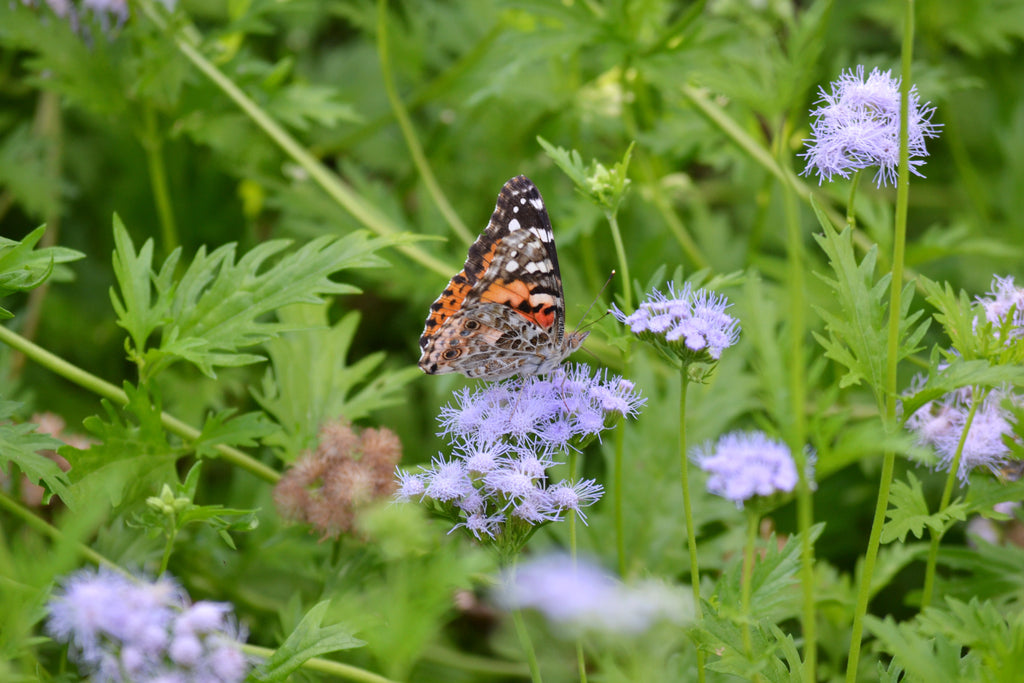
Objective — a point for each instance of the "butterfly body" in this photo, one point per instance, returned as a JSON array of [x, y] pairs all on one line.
[[503, 314]]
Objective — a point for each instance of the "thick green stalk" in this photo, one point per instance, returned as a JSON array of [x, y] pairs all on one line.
[[691, 532], [947, 493], [405, 124], [620, 254], [581, 660], [892, 348], [61, 367], [527, 644], [620, 532]]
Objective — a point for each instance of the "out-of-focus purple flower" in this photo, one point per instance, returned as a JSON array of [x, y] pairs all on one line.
[[578, 595], [742, 465], [940, 424], [688, 324], [119, 629], [857, 126], [1005, 304]]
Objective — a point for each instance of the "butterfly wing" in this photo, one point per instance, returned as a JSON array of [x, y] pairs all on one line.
[[507, 301]]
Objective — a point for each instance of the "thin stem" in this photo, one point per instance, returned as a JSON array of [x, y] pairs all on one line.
[[153, 144], [892, 350], [620, 254], [186, 39], [797, 433], [61, 367], [405, 124], [527, 644], [691, 533], [753, 519], [851, 210], [581, 660], [620, 533], [337, 669], [978, 396], [56, 534]]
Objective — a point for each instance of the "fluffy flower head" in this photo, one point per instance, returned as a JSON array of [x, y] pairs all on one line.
[[578, 595], [857, 125], [687, 324], [117, 628], [743, 465]]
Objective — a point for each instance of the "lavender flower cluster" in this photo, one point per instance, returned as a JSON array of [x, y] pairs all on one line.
[[123, 630], [858, 126], [687, 323], [579, 595], [743, 465], [1005, 305], [941, 423], [505, 436]]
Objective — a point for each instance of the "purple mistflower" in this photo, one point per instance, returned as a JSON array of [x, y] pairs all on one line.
[[574, 497], [121, 629], [410, 485], [743, 465], [579, 595], [1005, 304], [857, 126], [570, 405], [687, 324], [941, 423]]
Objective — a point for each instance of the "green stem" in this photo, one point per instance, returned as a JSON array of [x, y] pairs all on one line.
[[337, 669], [797, 434], [186, 39], [114, 393], [691, 533], [581, 660], [753, 518], [620, 533], [977, 396], [153, 144], [46, 529], [620, 254], [527, 644], [890, 396], [851, 210], [405, 124]]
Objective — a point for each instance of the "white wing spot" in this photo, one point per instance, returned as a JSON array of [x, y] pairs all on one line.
[[512, 266], [522, 200], [537, 204], [515, 209], [514, 225]]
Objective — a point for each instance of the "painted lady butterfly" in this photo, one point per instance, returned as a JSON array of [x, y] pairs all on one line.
[[504, 313]]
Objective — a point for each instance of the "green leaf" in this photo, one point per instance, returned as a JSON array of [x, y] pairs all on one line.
[[309, 639], [244, 430], [22, 267], [604, 186], [995, 637], [908, 512], [923, 658], [218, 305], [946, 376], [132, 457], [857, 328], [310, 381], [20, 445]]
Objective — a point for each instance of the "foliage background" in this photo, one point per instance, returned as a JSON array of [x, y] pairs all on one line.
[[89, 120]]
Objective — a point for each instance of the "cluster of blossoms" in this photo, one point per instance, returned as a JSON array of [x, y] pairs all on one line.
[[578, 595], [123, 630], [858, 126], [505, 436], [688, 324], [326, 487], [940, 424], [743, 465], [1005, 304]]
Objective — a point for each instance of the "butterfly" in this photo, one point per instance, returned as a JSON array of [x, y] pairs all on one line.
[[503, 314]]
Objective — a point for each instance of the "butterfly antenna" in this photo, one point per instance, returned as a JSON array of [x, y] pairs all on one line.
[[592, 303]]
